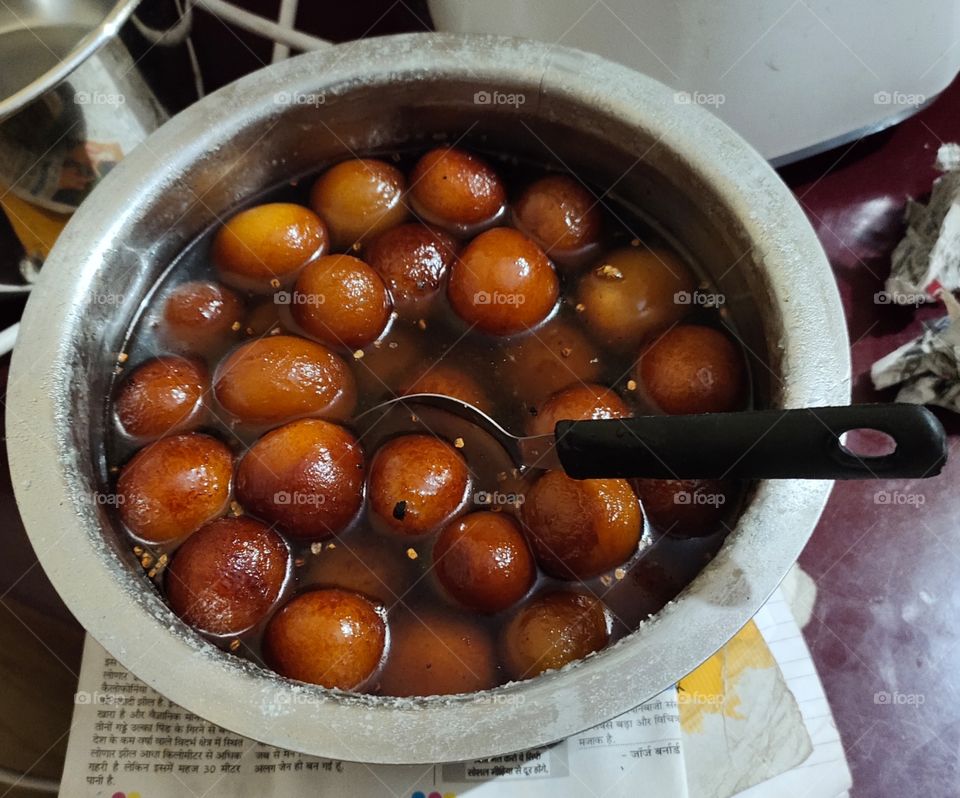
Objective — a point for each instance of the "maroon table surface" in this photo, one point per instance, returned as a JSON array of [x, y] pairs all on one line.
[[884, 633]]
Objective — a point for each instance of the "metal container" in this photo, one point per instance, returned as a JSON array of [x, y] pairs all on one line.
[[691, 174]]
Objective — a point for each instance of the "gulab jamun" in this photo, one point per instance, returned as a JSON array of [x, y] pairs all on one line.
[[433, 653], [201, 316], [162, 396], [685, 507], [172, 487], [549, 359], [456, 190], [372, 569], [413, 261], [693, 369], [227, 575], [551, 631], [581, 528], [632, 293], [562, 216], [306, 476], [416, 483], [447, 380], [358, 199], [329, 637], [577, 403], [281, 377], [264, 248], [341, 301], [503, 283], [483, 561]]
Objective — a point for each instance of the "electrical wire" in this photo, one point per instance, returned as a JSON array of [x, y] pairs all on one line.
[[269, 29], [287, 20]]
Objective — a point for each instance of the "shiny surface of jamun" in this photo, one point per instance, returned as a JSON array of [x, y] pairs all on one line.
[[456, 190], [503, 283], [416, 483], [174, 486], [483, 561], [561, 215], [447, 380], [551, 631], [693, 369], [686, 507], [553, 357], [281, 377], [632, 293], [306, 476], [161, 396], [329, 637], [577, 403], [200, 316], [358, 199], [413, 260], [342, 301], [227, 575], [432, 653], [581, 528], [264, 247]]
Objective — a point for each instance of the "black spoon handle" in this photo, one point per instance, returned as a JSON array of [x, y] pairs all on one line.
[[763, 444]]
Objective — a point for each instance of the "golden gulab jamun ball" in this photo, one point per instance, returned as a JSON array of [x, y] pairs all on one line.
[[227, 575], [506, 286], [263, 248], [306, 476], [162, 396], [341, 301], [358, 199], [281, 377], [172, 487]]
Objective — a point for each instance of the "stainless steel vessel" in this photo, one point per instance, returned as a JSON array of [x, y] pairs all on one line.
[[691, 174]]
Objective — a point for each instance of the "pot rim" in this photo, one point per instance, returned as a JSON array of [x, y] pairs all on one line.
[[120, 610]]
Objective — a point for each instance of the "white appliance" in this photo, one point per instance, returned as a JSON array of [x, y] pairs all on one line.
[[794, 77]]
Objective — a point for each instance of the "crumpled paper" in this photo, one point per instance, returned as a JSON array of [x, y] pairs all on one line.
[[927, 368], [928, 257]]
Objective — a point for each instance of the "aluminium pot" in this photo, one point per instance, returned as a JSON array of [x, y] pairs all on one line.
[[692, 176]]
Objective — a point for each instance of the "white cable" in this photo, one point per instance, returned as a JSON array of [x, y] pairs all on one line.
[[294, 39], [8, 338], [13, 779], [192, 54], [287, 20], [10, 288], [170, 37]]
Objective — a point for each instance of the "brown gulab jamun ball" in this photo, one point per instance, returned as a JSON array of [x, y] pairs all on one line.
[[413, 261], [632, 293], [447, 380], [306, 476], [547, 360], [281, 377], [161, 396], [581, 528], [174, 486], [551, 631], [693, 369], [342, 301], [416, 483], [484, 562], [685, 507], [329, 637], [577, 403], [561, 215], [265, 247], [358, 199], [227, 575], [375, 570], [503, 283], [201, 316], [456, 190], [435, 653]]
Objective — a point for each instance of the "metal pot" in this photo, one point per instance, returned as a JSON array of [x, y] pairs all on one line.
[[689, 173]]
